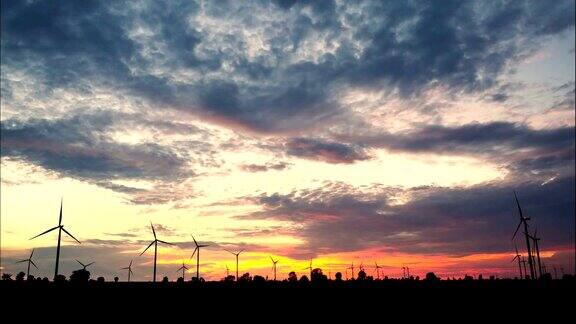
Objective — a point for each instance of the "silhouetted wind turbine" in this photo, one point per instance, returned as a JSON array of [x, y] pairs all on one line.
[[60, 228], [197, 252], [524, 265], [84, 266], [155, 242], [403, 272], [30, 262], [183, 268], [524, 221], [352, 268], [377, 267], [535, 240], [227, 271], [310, 268], [555, 272], [517, 257], [237, 254], [274, 262], [129, 268]]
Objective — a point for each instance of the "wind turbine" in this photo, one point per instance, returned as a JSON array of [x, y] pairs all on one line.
[[183, 268], [84, 266], [535, 240], [227, 271], [377, 267], [352, 268], [129, 268], [197, 252], [524, 265], [274, 262], [60, 228], [30, 262], [155, 242], [236, 254], [517, 257], [403, 272], [310, 268], [524, 221]]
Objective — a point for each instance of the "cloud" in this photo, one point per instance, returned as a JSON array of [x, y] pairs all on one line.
[[287, 73], [435, 220], [80, 147], [265, 167], [322, 150]]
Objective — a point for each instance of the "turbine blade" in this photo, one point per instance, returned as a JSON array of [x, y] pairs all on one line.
[[130, 263], [45, 232], [193, 253], [60, 218], [124, 268], [516, 257], [72, 236], [165, 242], [153, 231], [148, 247], [516, 231], [31, 254], [518, 204], [34, 264], [89, 264], [82, 264], [195, 243], [22, 261]]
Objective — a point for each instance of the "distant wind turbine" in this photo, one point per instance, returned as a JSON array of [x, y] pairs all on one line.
[[183, 268], [309, 267], [237, 254], [524, 221], [60, 228], [197, 252], [535, 240], [518, 258], [129, 268], [30, 262], [274, 266], [352, 268], [155, 243], [84, 266], [377, 267]]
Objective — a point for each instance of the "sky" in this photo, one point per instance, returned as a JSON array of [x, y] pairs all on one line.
[[340, 131]]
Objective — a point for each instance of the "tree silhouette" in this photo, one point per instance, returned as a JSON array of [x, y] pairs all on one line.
[[338, 276], [80, 276], [430, 276], [20, 276]]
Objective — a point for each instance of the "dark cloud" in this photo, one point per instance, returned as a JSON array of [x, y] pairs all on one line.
[[454, 221], [494, 140], [322, 150], [80, 147], [265, 167], [139, 50]]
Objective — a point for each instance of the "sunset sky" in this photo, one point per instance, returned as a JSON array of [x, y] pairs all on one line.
[[342, 131]]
